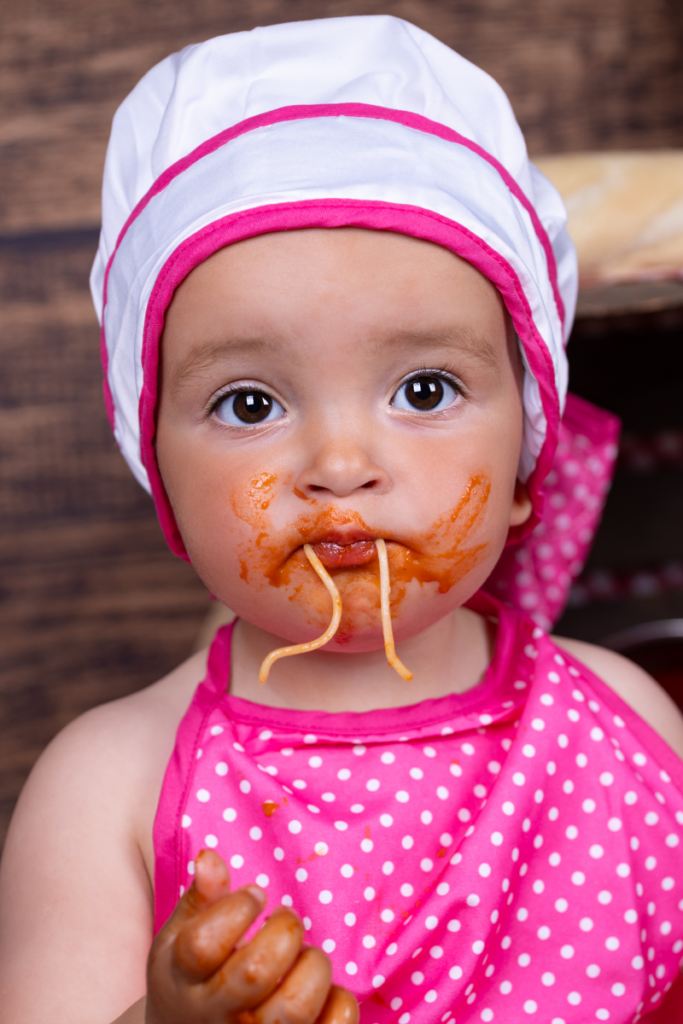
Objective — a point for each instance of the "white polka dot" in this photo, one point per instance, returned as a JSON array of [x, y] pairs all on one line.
[[341, 826], [508, 808], [623, 870], [518, 778], [442, 793], [310, 738], [581, 760], [263, 881], [554, 859], [639, 759], [245, 786], [614, 824], [650, 862], [390, 952], [387, 868], [406, 889], [548, 979], [568, 786], [672, 840], [602, 1014], [574, 998], [426, 864], [366, 845], [357, 808], [543, 932], [446, 839], [301, 874], [203, 796], [637, 963], [464, 814], [187, 821], [618, 989], [221, 768], [299, 784], [630, 798], [538, 886], [387, 757], [216, 730], [443, 889], [351, 968], [466, 748], [665, 927], [528, 750], [315, 761], [561, 905], [294, 827], [239, 747], [211, 841], [493, 767], [426, 817], [593, 971], [236, 861], [349, 919], [417, 977], [585, 924], [369, 893], [369, 941], [589, 805], [279, 853], [612, 943], [668, 883], [346, 870], [402, 796], [372, 785], [604, 897], [473, 900], [596, 851], [497, 838], [329, 946], [387, 916], [567, 952], [506, 987], [563, 740], [377, 981], [287, 751], [486, 1014], [530, 1006], [407, 842], [651, 818], [343, 774]]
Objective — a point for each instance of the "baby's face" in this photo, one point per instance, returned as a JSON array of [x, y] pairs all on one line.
[[330, 387]]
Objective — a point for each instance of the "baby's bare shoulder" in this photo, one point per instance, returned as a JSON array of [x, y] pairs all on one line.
[[638, 689]]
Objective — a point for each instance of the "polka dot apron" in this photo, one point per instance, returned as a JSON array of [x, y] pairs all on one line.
[[510, 852]]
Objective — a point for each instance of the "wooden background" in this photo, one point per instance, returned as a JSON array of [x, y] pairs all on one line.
[[91, 603]]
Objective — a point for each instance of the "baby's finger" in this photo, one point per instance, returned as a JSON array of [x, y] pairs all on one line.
[[341, 1008], [211, 882], [253, 971], [207, 939], [300, 997]]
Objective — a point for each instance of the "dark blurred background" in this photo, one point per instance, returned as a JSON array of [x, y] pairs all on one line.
[[92, 605]]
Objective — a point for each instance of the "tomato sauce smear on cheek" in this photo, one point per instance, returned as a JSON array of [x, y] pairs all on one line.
[[442, 554]]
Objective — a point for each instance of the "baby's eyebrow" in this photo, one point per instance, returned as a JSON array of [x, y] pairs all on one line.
[[198, 360], [464, 339]]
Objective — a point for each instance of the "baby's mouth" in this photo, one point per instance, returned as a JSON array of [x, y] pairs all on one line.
[[340, 549]]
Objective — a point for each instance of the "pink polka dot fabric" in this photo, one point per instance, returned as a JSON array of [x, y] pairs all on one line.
[[512, 852]]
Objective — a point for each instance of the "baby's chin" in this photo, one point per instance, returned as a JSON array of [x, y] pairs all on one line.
[[360, 630]]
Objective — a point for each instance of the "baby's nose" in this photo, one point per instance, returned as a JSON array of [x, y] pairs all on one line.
[[340, 467]]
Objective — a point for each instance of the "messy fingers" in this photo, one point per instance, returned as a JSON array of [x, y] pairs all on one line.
[[252, 972], [341, 1008], [206, 940], [301, 996]]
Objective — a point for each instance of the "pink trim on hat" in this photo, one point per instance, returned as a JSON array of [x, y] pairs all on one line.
[[368, 110], [331, 213]]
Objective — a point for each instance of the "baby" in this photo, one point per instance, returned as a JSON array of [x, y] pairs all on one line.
[[334, 296]]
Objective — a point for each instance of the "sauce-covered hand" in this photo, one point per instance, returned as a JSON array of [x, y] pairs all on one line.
[[198, 974]]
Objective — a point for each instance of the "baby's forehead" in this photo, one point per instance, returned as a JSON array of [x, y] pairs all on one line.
[[291, 291]]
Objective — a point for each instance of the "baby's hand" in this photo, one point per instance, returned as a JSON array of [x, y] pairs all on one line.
[[196, 975]]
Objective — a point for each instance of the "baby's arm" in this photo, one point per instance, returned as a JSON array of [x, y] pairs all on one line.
[[639, 690]]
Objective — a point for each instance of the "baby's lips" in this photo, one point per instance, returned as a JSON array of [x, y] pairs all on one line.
[[334, 554]]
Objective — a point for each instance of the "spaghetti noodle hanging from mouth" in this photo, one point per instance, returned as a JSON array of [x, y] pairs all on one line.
[[385, 584], [313, 645]]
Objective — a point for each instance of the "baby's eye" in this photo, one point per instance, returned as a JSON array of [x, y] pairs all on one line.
[[426, 393], [244, 408]]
